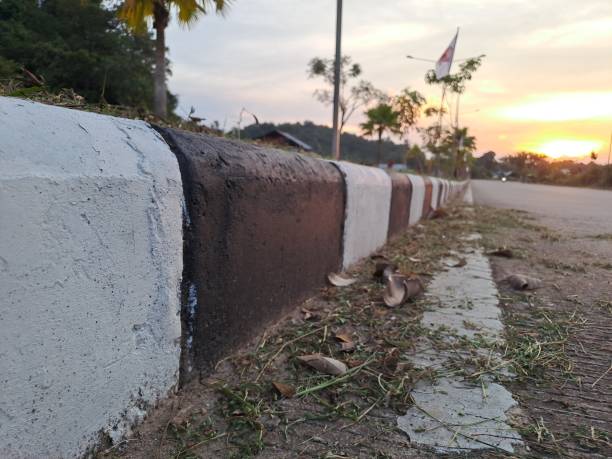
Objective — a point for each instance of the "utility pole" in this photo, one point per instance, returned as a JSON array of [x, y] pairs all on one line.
[[337, 70]]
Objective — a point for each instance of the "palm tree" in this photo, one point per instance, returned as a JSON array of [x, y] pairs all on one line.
[[381, 118], [462, 143], [136, 13]]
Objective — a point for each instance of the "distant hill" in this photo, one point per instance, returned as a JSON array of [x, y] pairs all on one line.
[[354, 148]]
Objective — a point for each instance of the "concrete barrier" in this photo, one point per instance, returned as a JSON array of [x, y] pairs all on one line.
[[418, 198], [399, 213], [124, 258], [427, 200], [366, 217], [436, 193], [90, 267], [265, 228]]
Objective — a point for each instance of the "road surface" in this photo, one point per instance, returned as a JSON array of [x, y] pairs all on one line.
[[583, 211]]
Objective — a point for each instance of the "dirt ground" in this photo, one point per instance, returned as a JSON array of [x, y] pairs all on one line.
[[263, 402]]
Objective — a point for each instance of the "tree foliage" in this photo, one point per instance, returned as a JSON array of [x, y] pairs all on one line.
[[138, 13], [77, 44], [456, 82], [352, 96], [381, 119]]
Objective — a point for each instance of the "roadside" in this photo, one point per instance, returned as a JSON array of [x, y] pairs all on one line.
[[559, 335], [405, 365], [264, 401]]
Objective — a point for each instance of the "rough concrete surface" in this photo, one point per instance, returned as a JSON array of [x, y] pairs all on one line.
[[264, 231], [418, 197], [454, 414], [399, 214], [368, 200], [90, 267]]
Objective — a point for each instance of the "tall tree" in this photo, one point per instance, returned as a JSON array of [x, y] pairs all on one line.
[[136, 13], [352, 96], [75, 44], [380, 119]]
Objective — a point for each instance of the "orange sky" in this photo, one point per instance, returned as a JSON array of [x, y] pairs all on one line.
[[545, 85]]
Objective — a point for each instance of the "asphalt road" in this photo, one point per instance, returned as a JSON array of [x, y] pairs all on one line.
[[582, 211]]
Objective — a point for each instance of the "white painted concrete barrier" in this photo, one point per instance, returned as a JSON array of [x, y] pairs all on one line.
[[90, 269], [368, 200], [417, 199], [436, 189]]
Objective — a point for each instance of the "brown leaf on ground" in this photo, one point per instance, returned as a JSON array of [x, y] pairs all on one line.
[[501, 252], [522, 282], [343, 337], [338, 280], [395, 290], [400, 289], [346, 343], [324, 364], [283, 389], [414, 287]]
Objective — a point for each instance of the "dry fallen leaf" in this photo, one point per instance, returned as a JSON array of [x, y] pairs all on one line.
[[338, 280], [285, 390], [502, 252], [324, 364], [400, 289], [346, 343], [522, 282], [414, 287], [414, 260], [395, 290], [343, 337]]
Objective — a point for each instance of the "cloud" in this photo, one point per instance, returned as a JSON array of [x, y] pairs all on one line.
[[562, 107], [593, 32]]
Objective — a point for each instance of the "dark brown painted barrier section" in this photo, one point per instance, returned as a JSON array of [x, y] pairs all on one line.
[[265, 229], [399, 214], [441, 189], [428, 195]]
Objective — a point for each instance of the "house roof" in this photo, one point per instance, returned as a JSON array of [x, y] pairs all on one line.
[[291, 139]]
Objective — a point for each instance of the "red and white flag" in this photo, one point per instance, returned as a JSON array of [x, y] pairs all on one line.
[[443, 65]]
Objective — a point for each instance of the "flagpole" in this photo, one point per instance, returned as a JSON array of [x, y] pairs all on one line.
[[337, 70], [440, 129]]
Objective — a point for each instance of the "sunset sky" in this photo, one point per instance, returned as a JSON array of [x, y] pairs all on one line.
[[545, 85]]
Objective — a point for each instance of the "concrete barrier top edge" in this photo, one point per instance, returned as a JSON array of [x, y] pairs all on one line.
[[47, 141]]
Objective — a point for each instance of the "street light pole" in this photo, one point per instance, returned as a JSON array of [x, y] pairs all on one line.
[[337, 69]]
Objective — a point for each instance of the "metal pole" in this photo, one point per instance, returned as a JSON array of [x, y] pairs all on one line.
[[337, 64], [608, 166], [609, 149]]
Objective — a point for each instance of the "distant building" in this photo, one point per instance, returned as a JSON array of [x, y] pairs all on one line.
[[282, 139]]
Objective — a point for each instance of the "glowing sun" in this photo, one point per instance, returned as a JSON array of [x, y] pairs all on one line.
[[568, 148]]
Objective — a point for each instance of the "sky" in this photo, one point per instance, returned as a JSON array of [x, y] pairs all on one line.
[[545, 84]]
